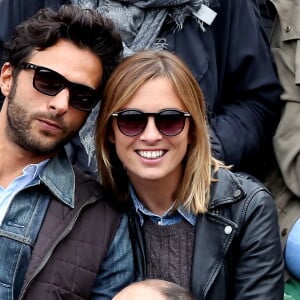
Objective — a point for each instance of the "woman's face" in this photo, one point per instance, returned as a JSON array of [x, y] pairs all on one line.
[[151, 155]]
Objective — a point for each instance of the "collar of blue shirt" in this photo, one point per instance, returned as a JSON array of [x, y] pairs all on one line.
[[168, 218]]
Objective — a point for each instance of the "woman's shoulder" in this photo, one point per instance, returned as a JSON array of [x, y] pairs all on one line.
[[240, 189], [244, 200]]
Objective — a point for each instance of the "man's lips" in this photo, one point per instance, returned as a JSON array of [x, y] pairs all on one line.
[[52, 125]]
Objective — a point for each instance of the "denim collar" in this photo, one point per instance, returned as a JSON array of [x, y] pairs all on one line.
[[58, 175], [141, 210], [34, 170]]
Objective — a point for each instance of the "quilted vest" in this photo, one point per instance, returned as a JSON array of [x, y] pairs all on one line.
[[71, 245]]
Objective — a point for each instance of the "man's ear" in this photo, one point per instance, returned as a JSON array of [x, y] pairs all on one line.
[[6, 79]]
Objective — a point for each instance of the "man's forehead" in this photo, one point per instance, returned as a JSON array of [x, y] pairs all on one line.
[[79, 65]]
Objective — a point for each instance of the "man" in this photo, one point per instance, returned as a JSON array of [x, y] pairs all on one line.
[[154, 289], [59, 239]]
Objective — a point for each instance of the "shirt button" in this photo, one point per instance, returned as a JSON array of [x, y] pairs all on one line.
[[288, 28], [236, 193], [159, 222], [228, 229], [284, 232]]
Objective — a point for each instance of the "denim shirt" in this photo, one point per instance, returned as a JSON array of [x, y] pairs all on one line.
[[167, 218], [20, 223], [29, 175], [23, 221]]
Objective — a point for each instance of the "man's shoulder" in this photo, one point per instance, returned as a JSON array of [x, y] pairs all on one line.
[[87, 188]]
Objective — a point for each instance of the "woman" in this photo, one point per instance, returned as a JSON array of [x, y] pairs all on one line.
[[192, 221]]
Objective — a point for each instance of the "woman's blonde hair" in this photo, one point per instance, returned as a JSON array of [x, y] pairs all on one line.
[[198, 166]]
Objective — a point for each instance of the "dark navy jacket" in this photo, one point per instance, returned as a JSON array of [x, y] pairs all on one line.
[[233, 65]]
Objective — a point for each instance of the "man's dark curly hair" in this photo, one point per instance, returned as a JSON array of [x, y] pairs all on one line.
[[86, 28]]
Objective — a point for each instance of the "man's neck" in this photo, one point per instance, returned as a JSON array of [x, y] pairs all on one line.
[[13, 160]]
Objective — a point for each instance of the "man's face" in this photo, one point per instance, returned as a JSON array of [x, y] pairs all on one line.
[[39, 123]]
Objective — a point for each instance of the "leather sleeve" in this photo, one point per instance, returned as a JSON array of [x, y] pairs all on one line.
[[259, 274]]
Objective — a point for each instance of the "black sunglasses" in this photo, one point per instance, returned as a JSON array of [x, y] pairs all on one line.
[[51, 83], [132, 122]]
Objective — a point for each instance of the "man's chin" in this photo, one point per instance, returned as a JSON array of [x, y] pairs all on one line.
[[43, 148]]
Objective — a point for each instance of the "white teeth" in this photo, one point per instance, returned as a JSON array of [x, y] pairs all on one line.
[[151, 154]]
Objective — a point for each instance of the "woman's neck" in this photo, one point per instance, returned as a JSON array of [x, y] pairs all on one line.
[[157, 196]]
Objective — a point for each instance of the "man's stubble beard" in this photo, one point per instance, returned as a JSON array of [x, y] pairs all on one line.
[[19, 129]]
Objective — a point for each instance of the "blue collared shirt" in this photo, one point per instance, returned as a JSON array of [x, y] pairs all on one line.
[[29, 176], [168, 218]]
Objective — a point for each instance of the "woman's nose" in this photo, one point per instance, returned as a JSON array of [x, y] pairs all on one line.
[[151, 133]]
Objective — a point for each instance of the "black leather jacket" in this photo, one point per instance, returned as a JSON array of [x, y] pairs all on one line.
[[237, 252]]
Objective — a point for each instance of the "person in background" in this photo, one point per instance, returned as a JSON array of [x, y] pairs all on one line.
[[284, 182], [154, 289], [59, 236], [192, 221]]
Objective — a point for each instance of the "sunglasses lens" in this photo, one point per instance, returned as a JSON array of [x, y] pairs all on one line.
[[48, 82], [170, 122], [83, 99], [51, 83], [131, 122]]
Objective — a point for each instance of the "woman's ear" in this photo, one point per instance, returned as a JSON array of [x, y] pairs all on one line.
[[111, 136], [6, 79], [111, 129], [190, 134]]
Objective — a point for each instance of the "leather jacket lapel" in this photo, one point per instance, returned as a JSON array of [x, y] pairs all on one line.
[[214, 235]]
